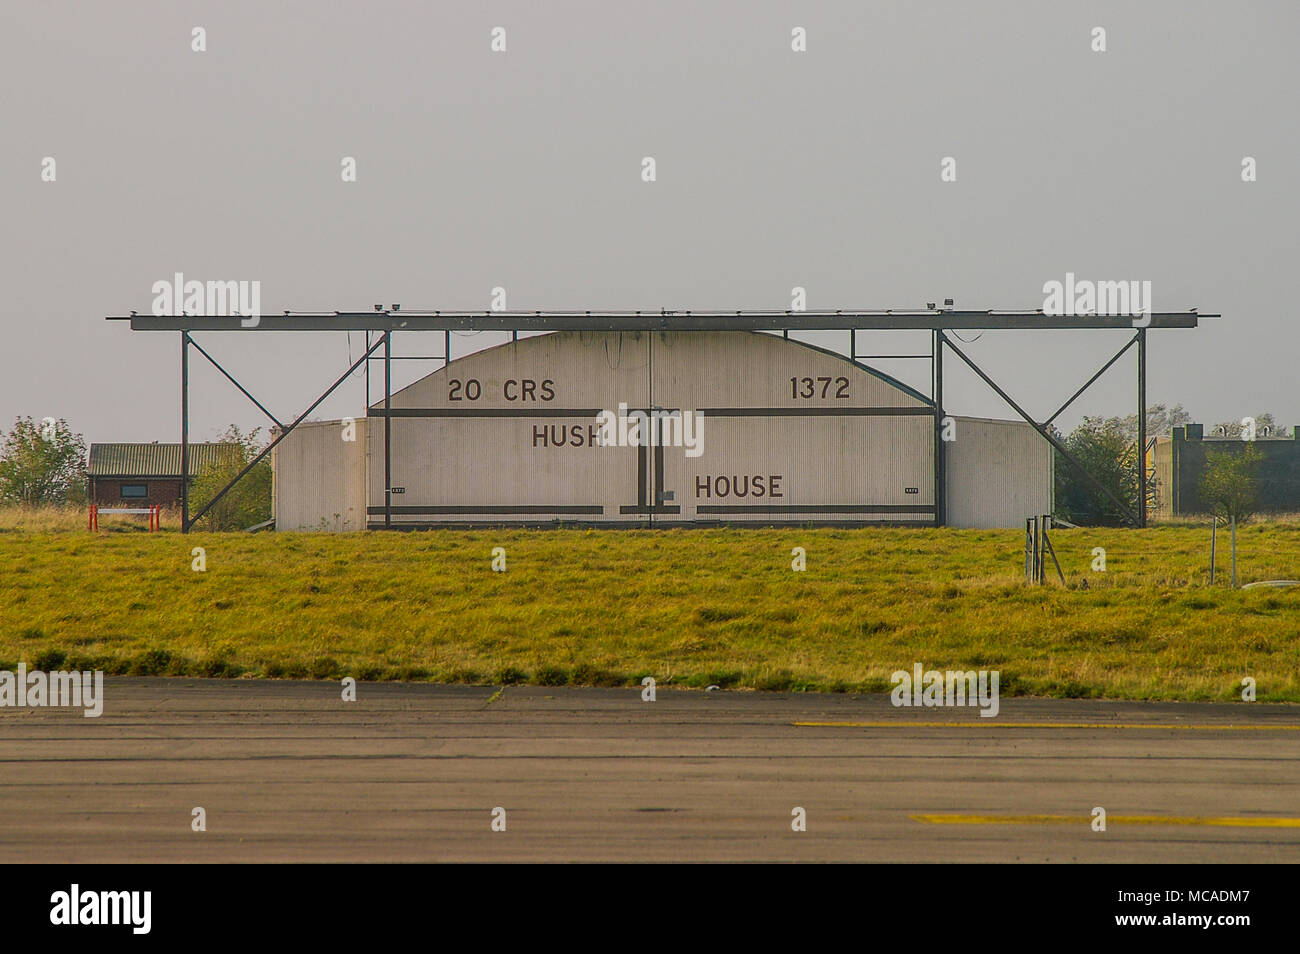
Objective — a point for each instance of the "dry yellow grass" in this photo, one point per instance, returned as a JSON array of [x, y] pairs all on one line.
[[16, 518], [688, 607]]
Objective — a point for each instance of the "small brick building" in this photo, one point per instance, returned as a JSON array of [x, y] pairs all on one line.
[[137, 475]]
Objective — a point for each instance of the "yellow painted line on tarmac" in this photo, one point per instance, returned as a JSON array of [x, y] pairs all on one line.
[[993, 724], [1227, 821]]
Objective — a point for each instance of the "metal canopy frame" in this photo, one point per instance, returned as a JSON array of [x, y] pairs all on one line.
[[936, 321], [663, 320]]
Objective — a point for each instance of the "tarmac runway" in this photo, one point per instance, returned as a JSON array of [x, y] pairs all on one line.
[[288, 771]]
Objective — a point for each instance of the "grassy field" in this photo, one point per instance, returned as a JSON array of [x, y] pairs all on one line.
[[690, 608]]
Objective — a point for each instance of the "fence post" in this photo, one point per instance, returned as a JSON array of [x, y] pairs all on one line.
[[1026, 549], [1234, 552], [1034, 521], [1042, 551], [1039, 556], [1214, 532], [1049, 550], [1033, 549]]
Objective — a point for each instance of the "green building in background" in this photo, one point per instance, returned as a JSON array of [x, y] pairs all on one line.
[[1177, 463]]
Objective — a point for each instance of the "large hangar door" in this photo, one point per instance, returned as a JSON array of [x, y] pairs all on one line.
[[509, 435], [790, 433]]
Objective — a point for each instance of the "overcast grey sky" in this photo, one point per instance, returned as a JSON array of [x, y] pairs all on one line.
[[523, 170]]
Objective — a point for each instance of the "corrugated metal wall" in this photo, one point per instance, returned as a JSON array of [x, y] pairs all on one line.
[[999, 473], [320, 478], [791, 433]]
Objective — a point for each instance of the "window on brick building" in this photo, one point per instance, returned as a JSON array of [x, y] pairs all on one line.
[[135, 491]]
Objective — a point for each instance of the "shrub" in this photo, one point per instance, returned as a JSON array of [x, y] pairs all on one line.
[[552, 676]]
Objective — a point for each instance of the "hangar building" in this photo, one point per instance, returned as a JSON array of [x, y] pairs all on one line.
[[791, 434]]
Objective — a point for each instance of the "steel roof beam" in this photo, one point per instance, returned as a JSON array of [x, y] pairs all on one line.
[[657, 321]]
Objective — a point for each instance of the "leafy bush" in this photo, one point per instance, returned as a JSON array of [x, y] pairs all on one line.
[[246, 504]]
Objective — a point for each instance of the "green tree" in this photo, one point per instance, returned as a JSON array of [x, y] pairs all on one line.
[[1228, 482], [1228, 487], [247, 503], [1107, 447], [43, 464], [1102, 446]]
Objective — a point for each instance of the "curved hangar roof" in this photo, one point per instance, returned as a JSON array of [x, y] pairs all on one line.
[[708, 368]]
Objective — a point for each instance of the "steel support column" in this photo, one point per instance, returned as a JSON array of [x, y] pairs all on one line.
[[940, 462], [1142, 426], [388, 429], [185, 432]]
